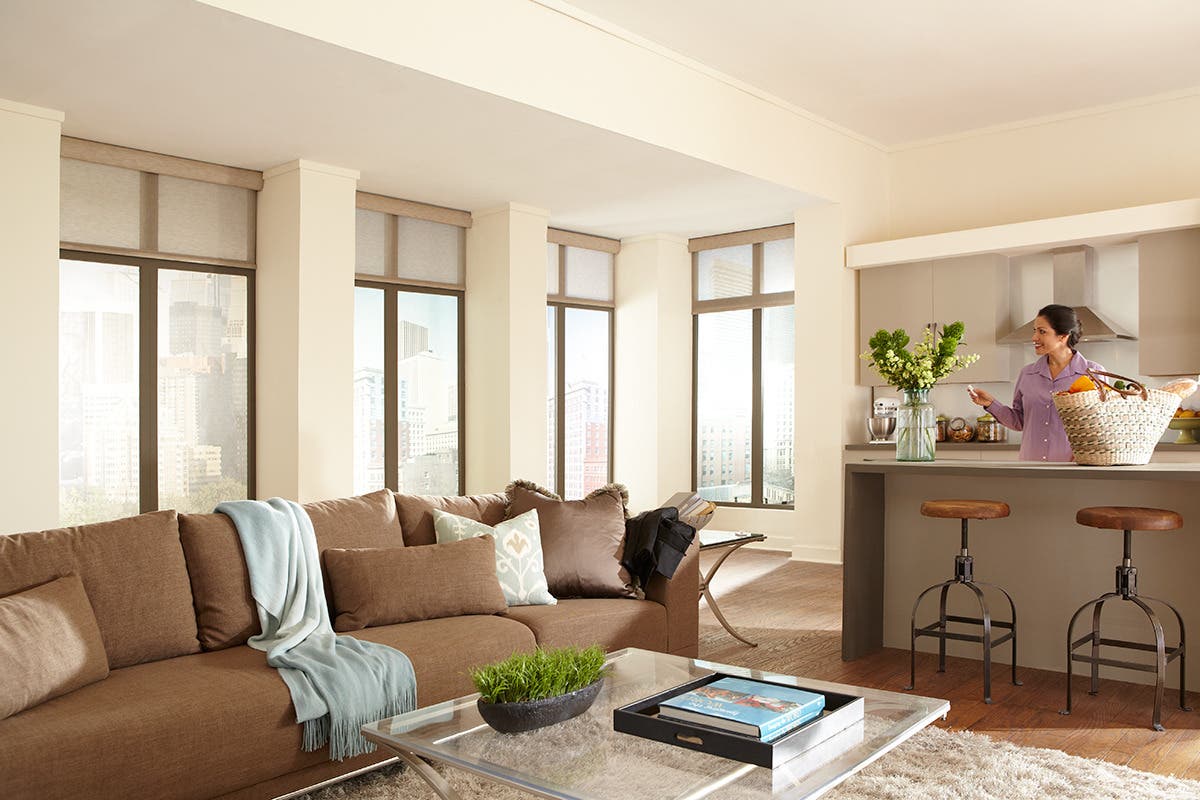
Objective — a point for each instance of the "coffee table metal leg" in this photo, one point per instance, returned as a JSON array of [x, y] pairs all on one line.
[[432, 777], [712, 602]]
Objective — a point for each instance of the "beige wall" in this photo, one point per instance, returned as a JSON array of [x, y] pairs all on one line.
[[29, 315], [305, 332], [1125, 156], [506, 348], [652, 425]]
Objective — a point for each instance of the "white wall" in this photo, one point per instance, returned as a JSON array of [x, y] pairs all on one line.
[[29, 142]]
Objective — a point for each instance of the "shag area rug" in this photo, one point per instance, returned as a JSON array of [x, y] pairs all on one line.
[[934, 765]]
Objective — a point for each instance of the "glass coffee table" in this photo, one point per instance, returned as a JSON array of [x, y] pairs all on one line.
[[585, 759]]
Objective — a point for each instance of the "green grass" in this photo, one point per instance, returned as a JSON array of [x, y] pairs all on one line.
[[540, 674]]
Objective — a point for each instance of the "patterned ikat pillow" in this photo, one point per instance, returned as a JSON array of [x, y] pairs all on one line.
[[519, 565]]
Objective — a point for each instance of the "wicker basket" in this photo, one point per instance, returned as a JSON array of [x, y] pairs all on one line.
[[1115, 426]]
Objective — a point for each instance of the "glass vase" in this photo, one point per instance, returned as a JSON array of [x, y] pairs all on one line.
[[916, 427]]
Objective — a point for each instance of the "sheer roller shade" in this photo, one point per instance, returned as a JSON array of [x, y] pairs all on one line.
[[429, 251], [589, 274], [404, 242], [370, 234], [104, 206]]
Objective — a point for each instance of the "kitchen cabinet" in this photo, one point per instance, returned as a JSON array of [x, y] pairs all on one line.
[[974, 289], [1168, 320]]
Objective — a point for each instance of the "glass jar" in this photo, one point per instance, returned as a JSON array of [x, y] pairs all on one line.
[[916, 428], [989, 429]]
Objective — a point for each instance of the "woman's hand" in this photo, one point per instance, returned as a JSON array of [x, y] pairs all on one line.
[[979, 397]]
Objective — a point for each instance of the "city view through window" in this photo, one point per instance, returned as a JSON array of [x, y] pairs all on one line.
[[200, 385], [427, 401], [585, 387]]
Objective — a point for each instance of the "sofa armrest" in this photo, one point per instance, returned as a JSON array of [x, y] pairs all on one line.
[[681, 597]]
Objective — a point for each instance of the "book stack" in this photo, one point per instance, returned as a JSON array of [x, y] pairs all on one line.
[[693, 509], [765, 711]]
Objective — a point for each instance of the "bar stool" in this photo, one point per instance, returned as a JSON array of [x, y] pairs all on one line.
[[1128, 519], [964, 576]]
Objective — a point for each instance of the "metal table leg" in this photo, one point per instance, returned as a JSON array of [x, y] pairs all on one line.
[[712, 602], [432, 777]]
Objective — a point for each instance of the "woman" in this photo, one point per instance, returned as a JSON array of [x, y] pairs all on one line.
[[1055, 334]]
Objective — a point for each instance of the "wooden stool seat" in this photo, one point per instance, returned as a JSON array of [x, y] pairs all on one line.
[[1128, 518], [965, 509]]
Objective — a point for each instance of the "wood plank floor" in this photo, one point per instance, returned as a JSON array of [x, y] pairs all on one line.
[[793, 609]]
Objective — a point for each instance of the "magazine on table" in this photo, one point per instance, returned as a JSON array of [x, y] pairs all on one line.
[[740, 705]]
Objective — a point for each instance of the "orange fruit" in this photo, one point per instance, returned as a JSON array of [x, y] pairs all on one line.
[[1082, 384]]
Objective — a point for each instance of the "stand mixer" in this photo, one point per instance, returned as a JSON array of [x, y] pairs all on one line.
[[881, 425]]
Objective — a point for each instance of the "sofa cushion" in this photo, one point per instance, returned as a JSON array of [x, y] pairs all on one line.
[[612, 623], [582, 540], [225, 612], [416, 517], [134, 574], [443, 651], [517, 560], [374, 587], [49, 644]]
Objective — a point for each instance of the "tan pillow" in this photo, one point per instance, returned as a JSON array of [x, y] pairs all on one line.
[[582, 540], [49, 644], [416, 512], [404, 584]]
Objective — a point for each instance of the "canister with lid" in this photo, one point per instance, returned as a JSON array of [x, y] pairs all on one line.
[[989, 429]]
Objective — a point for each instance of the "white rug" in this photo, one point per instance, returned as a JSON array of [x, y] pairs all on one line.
[[933, 765]]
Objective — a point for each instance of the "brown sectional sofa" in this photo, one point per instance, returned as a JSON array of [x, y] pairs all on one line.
[[188, 710]]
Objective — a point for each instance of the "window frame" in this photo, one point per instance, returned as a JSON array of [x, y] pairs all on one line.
[[147, 383], [392, 288], [755, 302], [559, 302]]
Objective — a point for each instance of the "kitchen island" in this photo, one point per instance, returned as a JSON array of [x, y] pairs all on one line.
[[1049, 564]]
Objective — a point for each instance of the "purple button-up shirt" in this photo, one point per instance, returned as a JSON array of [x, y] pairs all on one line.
[[1033, 411]]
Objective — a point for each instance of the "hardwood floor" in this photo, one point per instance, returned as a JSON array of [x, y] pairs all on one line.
[[793, 609]]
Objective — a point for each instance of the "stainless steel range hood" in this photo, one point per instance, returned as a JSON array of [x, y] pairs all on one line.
[[1074, 285]]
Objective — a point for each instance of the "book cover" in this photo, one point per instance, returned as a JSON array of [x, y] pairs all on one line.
[[765, 710]]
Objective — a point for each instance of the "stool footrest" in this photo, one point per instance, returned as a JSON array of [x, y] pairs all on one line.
[[933, 630], [1116, 662], [1171, 652]]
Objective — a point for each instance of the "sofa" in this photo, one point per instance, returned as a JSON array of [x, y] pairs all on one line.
[[188, 710]]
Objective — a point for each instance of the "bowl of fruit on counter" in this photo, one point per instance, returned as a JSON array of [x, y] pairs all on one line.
[[1187, 422]]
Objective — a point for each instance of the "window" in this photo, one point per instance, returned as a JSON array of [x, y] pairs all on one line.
[[154, 386], [744, 333], [156, 348], [579, 363], [408, 352]]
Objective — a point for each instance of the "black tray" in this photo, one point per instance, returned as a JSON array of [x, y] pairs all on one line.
[[842, 712]]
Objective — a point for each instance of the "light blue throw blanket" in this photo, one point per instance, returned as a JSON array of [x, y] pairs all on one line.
[[338, 683]]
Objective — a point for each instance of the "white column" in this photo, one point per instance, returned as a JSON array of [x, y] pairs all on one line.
[[506, 347], [653, 392], [825, 341], [29, 315], [305, 332]]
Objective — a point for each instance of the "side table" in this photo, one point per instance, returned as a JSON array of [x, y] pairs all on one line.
[[728, 542]]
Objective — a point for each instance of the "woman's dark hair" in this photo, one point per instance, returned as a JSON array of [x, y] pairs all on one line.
[[1064, 320]]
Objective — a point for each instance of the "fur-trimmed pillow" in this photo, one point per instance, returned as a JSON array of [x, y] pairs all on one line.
[[582, 540]]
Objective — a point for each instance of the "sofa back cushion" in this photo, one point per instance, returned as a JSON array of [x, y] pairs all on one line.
[[134, 574], [225, 612], [582, 540], [50, 640], [416, 512], [373, 587]]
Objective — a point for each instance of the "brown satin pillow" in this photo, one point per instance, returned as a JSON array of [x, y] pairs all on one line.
[[416, 512], [374, 587], [582, 540], [49, 644]]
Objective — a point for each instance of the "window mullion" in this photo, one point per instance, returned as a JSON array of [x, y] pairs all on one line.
[[756, 412], [148, 388], [391, 389]]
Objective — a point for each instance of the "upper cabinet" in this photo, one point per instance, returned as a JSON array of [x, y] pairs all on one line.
[[1168, 319], [912, 296]]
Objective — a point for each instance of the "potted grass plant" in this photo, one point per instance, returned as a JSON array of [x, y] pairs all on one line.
[[532, 690]]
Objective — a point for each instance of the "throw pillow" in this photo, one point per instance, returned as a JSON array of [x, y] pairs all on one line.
[[50, 640], [404, 584], [583, 539], [518, 547]]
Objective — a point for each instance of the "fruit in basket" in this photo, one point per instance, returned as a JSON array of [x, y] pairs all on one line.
[[1184, 387], [1082, 384]]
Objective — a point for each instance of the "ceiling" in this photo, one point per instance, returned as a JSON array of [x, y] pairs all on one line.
[[900, 71], [186, 79]]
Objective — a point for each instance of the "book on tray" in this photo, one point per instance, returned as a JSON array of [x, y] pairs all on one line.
[[754, 708]]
